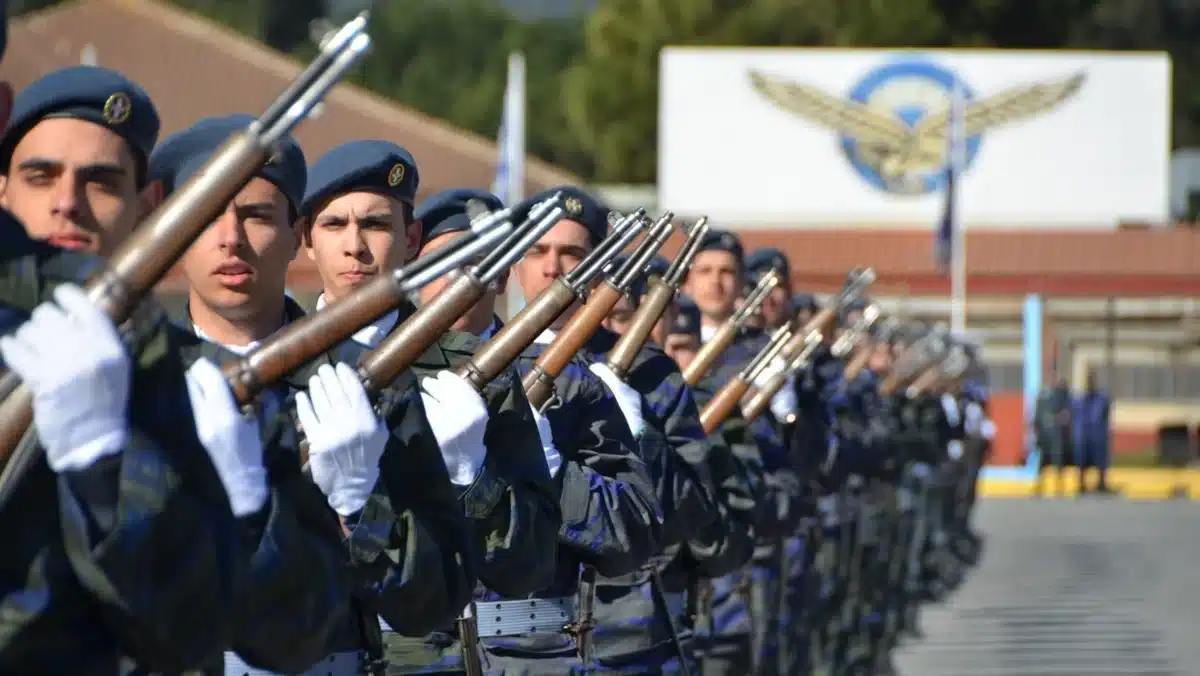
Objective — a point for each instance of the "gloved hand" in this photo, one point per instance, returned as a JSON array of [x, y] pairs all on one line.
[[231, 439], [70, 356], [553, 458], [784, 403], [458, 417], [950, 406], [955, 449], [345, 437], [627, 398]]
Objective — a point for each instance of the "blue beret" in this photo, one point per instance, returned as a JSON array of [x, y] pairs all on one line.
[[687, 318], [90, 93], [446, 211], [183, 153], [658, 267], [805, 301], [578, 206], [372, 166], [722, 240], [761, 261]]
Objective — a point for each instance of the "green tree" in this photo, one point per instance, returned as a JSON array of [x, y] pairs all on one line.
[[611, 93]]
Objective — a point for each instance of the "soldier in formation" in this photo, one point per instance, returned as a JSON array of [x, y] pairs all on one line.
[[394, 481]]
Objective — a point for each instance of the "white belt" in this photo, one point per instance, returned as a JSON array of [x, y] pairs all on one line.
[[527, 616], [676, 604], [345, 663]]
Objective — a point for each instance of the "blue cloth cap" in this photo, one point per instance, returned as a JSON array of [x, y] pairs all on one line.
[[446, 211], [761, 261], [722, 240], [182, 154], [577, 205], [367, 165], [90, 93]]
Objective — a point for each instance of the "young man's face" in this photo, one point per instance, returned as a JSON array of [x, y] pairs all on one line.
[[238, 266], [621, 317], [682, 347], [777, 308], [714, 283], [74, 184], [479, 317], [354, 237], [555, 254]]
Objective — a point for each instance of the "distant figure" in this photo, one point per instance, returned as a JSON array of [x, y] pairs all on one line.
[[1052, 429], [1091, 414]]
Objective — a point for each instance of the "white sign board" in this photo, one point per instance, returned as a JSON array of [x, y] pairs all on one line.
[[836, 138]]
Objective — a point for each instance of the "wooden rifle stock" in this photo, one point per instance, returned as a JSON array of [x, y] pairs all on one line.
[[654, 304], [760, 398], [924, 382], [858, 362], [539, 382], [824, 321], [709, 352], [495, 355], [724, 403], [404, 345]]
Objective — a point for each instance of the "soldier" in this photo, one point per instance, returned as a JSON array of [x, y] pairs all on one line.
[[612, 520], [404, 534], [134, 513], [1052, 427], [512, 504], [713, 283], [777, 309], [727, 543]]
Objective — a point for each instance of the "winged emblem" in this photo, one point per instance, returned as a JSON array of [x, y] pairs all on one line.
[[899, 151]]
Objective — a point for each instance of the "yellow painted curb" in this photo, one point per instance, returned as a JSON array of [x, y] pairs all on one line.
[[1136, 484]]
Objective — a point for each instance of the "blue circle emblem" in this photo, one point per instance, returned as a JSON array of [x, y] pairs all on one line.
[[907, 91]]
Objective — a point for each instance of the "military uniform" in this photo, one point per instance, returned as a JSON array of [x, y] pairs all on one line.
[[407, 548], [137, 559], [513, 504]]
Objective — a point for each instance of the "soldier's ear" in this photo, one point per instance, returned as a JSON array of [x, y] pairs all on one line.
[[412, 240], [150, 197]]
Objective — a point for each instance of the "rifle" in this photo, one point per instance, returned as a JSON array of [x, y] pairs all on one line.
[[539, 382], [495, 355], [799, 349], [727, 398], [859, 361], [913, 362], [660, 294], [729, 330], [157, 244], [303, 340], [406, 342]]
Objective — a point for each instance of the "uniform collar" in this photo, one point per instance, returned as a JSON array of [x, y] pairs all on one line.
[[371, 335]]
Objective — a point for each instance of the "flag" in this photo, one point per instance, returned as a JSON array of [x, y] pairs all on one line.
[[510, 164], [509, 184], [956, 155]]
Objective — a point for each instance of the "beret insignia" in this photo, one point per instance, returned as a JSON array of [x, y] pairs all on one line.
[[396, 175], [574, 206], [727, 240], [117, 108]]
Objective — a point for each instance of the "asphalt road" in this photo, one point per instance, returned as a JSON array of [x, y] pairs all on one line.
[[1076, 587]]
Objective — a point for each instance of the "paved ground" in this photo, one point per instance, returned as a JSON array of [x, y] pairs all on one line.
[[1074, 587]]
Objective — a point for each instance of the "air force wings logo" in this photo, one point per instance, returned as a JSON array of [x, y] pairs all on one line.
[[894, 122]]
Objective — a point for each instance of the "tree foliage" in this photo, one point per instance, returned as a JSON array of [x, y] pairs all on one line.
[[592, 81]]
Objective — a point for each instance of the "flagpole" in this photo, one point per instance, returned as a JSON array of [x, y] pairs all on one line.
[[510, 169], [958, 246]]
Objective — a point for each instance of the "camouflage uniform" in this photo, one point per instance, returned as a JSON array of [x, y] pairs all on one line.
[[138, 559], [611, 518], [639, 626]]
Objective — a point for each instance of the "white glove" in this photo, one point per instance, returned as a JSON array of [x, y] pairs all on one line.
[[458, 417], [784, 403], [627, 398], [955, 449], [553, 459], [950, 406], [345, 437], [70, 356], [231, 439]]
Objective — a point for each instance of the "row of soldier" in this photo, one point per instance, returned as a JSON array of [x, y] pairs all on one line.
[[617, 481]]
